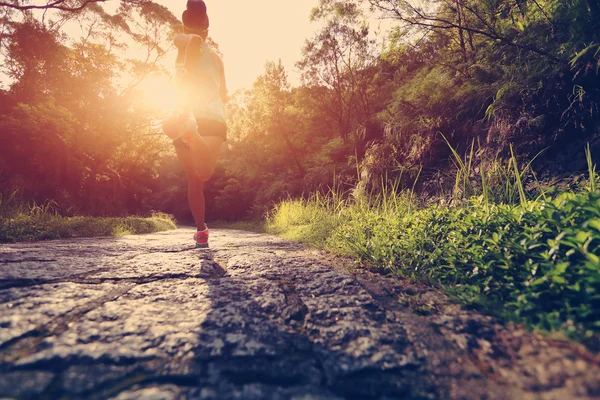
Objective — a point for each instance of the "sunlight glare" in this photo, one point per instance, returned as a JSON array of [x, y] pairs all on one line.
[[158, 93]]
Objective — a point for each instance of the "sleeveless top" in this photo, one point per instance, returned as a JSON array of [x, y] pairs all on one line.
[[203, 84]]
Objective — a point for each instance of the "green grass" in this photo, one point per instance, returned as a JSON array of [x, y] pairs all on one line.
[[535, 260], [29, 222]]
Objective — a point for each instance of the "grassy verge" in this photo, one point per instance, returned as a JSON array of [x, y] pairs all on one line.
[[22, 222], [535, 262]]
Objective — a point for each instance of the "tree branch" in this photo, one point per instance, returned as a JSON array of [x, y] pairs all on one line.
[[421, 19], [59, 5], [56, 5]]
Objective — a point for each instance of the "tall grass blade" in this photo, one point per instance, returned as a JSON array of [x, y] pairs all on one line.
[[467, 173], [484, 185], [518, 180], [591, 169], [460, 166]]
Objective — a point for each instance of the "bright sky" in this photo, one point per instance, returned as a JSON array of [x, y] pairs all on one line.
[[251, 32]]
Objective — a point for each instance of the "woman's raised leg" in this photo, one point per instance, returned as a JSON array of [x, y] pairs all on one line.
[[199, 162]]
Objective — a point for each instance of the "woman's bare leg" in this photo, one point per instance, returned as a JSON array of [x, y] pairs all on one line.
[[199, 163], [196, 200], [200, 150]]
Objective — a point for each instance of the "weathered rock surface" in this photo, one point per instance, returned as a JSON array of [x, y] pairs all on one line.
[[254, 317]]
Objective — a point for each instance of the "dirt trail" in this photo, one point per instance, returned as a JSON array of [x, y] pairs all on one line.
[[255, 317]]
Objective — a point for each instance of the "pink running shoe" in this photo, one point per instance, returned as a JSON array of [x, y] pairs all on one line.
[[201, 238], [180, 125]]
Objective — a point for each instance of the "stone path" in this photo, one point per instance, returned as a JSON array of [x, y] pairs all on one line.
[[255, 317]]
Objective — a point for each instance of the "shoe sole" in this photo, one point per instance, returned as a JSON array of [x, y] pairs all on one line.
[[202, 245]]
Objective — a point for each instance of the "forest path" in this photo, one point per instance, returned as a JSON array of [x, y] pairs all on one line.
[[254, 317]]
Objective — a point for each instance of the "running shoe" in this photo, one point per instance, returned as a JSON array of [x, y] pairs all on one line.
[[201, 238], [179, 125]]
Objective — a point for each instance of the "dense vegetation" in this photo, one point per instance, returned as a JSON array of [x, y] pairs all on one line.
[[73, 129], [371, 109], [493, 73]]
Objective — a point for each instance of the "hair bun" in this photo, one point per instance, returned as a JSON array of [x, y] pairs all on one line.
[[195, 17], [196, 6]]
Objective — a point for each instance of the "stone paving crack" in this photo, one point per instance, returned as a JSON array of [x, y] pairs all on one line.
[[27, 260], [295, 309], [21, 283]]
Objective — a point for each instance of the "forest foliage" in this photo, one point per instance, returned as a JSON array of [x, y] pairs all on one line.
[[372, 107]]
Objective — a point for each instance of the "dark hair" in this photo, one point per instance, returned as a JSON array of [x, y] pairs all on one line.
[[195, 18]]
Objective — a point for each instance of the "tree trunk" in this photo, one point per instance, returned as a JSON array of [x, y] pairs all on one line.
[[91, 192], [461, 36], [473, 49]]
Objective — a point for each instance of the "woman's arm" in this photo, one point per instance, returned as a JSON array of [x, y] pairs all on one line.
[[193, 51], [181, 41], [189, 49]]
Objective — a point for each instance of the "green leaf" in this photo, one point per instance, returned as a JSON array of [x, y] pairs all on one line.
[[582, 236], [593, 258], [538, 281], [561, 268], [594, 223], [558, 279]]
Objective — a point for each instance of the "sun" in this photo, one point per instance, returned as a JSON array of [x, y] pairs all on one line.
[[158, 93]]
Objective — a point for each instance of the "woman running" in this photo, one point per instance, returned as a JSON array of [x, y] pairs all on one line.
[[198, 128]]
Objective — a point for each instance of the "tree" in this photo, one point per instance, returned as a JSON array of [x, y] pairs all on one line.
[[268, 147], [484, 19], [89, 144], [273, 103], [337, 63]]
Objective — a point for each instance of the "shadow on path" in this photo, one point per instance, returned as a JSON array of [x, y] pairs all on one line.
[[257, 347]]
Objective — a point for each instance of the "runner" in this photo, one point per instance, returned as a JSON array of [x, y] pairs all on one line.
[[198, 128]]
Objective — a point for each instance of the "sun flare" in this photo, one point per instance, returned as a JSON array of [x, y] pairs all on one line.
[[158, 93]]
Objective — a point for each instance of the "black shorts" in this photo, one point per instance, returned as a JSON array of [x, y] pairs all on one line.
[[206, 127]]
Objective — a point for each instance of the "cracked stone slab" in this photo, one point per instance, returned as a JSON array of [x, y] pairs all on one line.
[[254, 317], [24, 309]]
